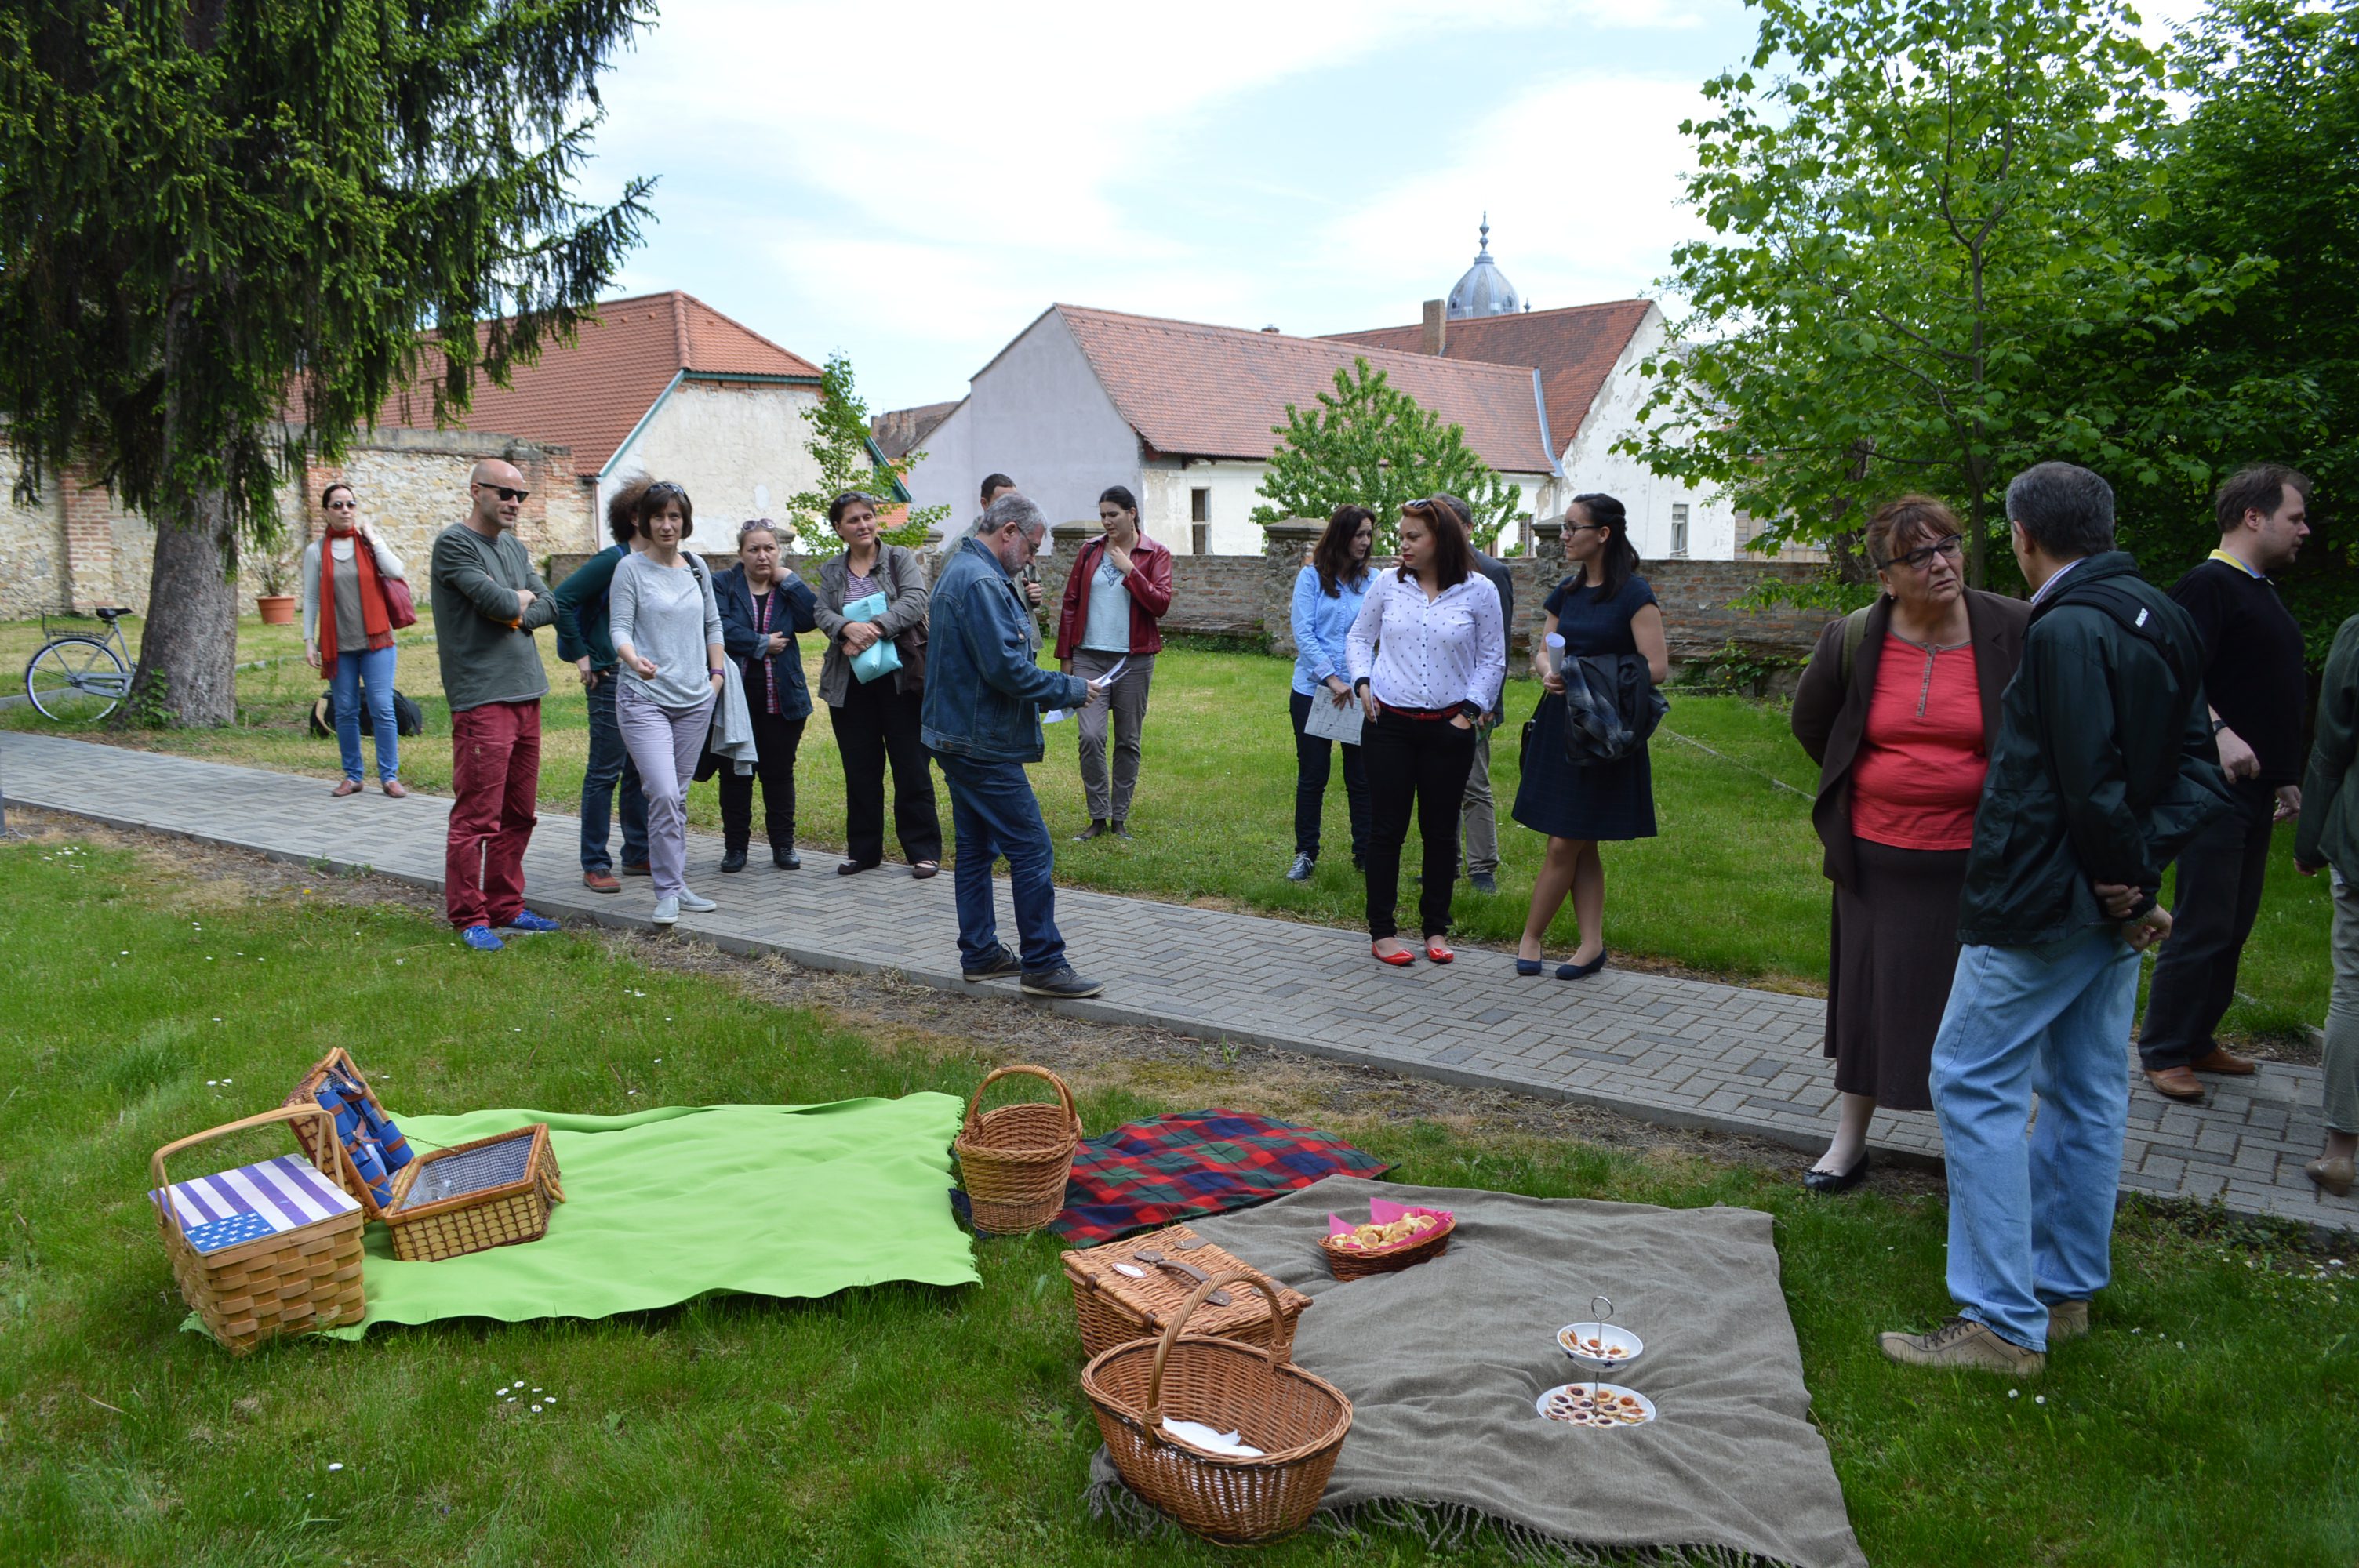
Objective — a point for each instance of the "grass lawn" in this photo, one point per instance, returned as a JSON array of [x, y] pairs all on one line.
[[1731, 888], [2206, 1420]]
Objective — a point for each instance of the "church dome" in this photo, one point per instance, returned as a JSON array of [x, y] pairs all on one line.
[[1484, 290]]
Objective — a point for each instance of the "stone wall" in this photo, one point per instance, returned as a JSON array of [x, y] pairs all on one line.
[[78, 549], [1253, 596]]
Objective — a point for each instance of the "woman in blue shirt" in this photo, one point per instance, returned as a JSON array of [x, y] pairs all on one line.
[[1327, 595]]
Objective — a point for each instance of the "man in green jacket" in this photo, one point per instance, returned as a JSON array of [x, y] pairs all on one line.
[[487, 601], [2102, 770], [2329, 840], [582, 642]]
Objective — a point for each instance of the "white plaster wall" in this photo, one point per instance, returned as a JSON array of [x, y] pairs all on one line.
[[739, 448], [1592, 465], [1038, 415]]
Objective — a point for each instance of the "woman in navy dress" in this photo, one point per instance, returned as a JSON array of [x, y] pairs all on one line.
[[1602, 606]]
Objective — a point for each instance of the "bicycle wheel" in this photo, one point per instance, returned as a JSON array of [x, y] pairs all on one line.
[[76, 680]]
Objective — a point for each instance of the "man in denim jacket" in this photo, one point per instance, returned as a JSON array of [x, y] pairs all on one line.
[[981, 721]]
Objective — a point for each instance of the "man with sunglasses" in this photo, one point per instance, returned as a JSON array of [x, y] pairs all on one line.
[[487, 601]]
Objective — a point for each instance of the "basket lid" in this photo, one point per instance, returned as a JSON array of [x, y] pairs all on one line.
[[1154, 1293], [375, 1148]]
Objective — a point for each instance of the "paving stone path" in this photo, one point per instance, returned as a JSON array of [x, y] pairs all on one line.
[[1680, 1052]]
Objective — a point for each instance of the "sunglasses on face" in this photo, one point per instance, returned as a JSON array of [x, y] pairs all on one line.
[[504, 492], [1918, 560]]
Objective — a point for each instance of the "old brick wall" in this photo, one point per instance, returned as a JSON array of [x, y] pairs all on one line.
[[412, 484]]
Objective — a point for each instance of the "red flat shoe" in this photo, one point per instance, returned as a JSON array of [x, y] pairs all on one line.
[[1436, 953], [1400, 960]]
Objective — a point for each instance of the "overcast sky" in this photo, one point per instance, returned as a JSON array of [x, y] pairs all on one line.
[[913, 183]]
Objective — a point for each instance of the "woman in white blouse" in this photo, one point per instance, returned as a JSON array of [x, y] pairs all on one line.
[[1428, 654]]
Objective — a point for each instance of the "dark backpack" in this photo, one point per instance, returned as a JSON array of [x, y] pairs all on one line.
[[409, 718]]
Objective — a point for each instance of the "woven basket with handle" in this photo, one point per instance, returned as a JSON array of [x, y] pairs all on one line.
[[501, 1216], [293, 1282], [1015, 1160], [1351, 1263], [1299, 1421]]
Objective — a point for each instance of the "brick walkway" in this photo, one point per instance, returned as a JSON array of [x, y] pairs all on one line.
[[1681, 1053]]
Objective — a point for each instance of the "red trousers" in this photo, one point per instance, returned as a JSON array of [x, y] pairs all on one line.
[[495, 775]]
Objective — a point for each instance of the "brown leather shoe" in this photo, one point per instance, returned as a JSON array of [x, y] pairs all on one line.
[[394, 788], [601, 882], [2176, 1083], [344, 787], [2225, 1062]]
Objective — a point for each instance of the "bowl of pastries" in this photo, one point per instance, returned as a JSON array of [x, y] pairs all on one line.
[[1391, 1237]]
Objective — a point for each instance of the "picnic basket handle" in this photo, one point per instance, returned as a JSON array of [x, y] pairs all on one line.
[[975, 1107], [1279, 1350], [284, 1113]]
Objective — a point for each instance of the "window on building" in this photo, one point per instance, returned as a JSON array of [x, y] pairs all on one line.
[[1199, 539], [1200, 515], [1678, 532]]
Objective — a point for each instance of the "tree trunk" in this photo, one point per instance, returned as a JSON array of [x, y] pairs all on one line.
[[188, 649], [1977, 531]]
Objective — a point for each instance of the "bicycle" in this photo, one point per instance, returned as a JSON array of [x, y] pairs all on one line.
[[75, 677]]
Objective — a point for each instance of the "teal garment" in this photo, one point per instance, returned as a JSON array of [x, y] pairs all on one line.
[[686, 1201], [485, 647], [582, 631], [2328, 833]]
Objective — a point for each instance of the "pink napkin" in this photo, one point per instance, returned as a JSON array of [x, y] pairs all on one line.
[[1383, 1213]]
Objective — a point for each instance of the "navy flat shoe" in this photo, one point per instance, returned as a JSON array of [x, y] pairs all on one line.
[[1581, 971], [1528, 966]]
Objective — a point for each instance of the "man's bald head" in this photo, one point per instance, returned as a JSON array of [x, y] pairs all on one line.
[[496, 490]]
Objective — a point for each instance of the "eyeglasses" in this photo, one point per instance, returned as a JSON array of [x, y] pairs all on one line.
[[502, 491], [1586, 527], [344, 506], [756, 525], [1918, 560], [666, 486]]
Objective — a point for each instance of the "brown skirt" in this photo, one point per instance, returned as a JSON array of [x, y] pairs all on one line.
[[1895, 951]]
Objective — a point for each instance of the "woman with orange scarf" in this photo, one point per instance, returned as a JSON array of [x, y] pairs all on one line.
[[348, 633]]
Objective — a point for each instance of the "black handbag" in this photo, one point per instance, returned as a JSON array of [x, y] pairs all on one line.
[[409, 718]]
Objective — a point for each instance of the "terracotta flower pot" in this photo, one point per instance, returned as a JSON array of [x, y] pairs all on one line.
[[277, 608]]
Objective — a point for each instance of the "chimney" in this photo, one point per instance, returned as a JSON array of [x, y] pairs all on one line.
[[1437, 329]]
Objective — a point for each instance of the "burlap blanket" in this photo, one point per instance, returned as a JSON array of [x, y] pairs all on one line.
[[1442, 1362]]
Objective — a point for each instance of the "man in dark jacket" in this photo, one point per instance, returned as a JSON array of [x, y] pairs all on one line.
[[2102, 770], [981, 721]]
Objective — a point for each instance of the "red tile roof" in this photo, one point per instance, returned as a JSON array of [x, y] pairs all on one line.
[[1573, 349], [1215, 391], [590, 396]]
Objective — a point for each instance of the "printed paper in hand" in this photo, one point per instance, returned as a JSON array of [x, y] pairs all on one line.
[[1328, 722]]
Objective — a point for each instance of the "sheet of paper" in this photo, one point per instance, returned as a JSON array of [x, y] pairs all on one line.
[[1328, 721]]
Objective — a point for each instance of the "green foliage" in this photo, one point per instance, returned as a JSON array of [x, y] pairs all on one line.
[[1371, 445], [222, 228], [848, 459], [1928, 212]]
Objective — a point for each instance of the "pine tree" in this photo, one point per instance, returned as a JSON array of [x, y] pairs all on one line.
[[1370, 444], [848, 459], [222, 228]]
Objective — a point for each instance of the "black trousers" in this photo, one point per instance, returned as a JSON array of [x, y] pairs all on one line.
[[775, 740], [1311, 756], [2219, 896], [1420, 762], [877, 725]]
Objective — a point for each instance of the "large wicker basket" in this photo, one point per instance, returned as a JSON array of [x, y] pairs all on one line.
[[1015, 1160], [291, 1282], [483, 1217], [1113, 1305], [1298, 1423]]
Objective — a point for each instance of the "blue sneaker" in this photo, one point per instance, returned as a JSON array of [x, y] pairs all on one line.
[[526, 920], [482, 940]]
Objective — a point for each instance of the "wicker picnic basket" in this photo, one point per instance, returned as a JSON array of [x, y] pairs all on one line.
[[512, 1207], [293, 1282], [1298, 1423], [1015, 1160], [1114, 1306], [1354, 1263]]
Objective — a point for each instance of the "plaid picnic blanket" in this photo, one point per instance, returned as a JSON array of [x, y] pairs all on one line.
[[1168, 1168]]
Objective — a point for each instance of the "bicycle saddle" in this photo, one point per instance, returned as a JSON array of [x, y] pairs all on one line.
[[108, 614]]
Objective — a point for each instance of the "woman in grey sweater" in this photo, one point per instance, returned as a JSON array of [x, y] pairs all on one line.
[[876, 720], [667, 629]]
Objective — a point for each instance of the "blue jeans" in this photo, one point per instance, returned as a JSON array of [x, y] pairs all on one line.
[[610, 761], [993, 812], [366, 675], [2031, 1218]]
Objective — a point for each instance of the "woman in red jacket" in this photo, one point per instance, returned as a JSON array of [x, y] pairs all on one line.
[[1119, 589]]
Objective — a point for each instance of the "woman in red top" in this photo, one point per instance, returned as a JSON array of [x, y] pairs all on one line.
[[1115, 596], [1896, 708]]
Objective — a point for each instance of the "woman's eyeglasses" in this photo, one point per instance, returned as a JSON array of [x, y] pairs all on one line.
[[1918, 560], [344, 506]]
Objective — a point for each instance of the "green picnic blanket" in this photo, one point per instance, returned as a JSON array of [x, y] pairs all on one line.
[[684, 1201]]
